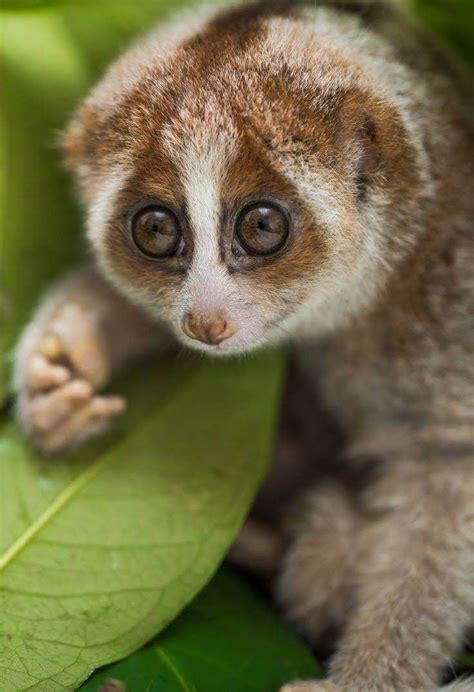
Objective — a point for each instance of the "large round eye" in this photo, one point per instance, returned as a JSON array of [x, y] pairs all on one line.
[[262, 228], [156, 232]]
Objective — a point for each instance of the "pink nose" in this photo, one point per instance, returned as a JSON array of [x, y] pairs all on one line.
[[210, 330]]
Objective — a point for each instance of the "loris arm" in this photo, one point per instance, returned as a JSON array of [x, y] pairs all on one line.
[[81, 333]]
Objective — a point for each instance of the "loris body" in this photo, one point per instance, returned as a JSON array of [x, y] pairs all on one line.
[[298, 173]]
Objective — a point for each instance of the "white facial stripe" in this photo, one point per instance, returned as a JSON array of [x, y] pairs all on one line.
[[324, 198], [202, 183], [208, 286]]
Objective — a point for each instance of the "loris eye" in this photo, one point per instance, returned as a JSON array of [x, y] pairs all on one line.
[[156, 232], [262, 228]]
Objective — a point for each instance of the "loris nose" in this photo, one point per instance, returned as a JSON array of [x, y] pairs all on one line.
[[210, 330]]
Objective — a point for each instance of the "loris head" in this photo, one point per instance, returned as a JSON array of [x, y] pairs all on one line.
[[239, 173]]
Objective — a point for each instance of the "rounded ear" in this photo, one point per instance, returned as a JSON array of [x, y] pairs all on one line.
[[75, 140], [370, 155], [363, 123], [77, 143]]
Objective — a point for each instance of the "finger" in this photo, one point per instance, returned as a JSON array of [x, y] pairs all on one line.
[[78, 333], [107, 406], [47, 410], [51, 347], [42, 374], [91, 420]]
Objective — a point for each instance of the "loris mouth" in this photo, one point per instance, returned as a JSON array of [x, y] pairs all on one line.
[[218, 350], [225, 348]]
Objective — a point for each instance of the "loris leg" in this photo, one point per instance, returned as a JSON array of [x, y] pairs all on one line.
[[415, 594], [80, 334], [260, 544], [258, 547], [318, 577]]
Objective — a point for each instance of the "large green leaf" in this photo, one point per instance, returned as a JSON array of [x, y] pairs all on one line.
[[226, 640], [100, 551]]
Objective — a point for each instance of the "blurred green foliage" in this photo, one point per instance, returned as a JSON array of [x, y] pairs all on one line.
[[453, 21]]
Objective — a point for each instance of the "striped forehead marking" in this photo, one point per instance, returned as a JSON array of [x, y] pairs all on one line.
[[202, 165]]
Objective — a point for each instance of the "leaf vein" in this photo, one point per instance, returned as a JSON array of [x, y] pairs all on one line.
[[167, 660]]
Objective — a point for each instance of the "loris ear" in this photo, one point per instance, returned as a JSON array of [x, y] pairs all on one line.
[[361, 134], [77, 142], [370, 154]]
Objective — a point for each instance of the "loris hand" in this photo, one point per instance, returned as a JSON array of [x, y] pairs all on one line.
[[61, 363]]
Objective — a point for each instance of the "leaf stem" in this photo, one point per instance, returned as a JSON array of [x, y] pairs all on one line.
[[58, 503]]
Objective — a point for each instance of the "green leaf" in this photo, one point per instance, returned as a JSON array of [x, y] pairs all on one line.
[[227, 639], [100, 551]]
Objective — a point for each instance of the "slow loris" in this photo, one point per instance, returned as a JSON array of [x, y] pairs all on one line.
[[296, 172]]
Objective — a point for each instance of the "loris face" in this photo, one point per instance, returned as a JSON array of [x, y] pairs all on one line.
[[231, 178]]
